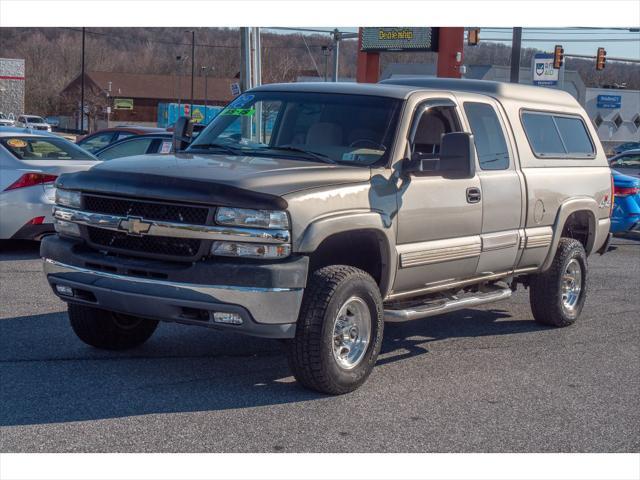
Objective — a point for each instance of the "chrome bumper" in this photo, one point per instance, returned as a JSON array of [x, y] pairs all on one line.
[[267, 312]]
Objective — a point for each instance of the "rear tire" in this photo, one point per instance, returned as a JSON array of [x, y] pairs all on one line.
[[109, 330], [557, 295], [339, 330]]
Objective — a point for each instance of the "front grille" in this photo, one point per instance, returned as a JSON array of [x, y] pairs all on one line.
[[164, 246], [148, 210]]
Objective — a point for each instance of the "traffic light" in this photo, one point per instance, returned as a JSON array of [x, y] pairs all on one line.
[[473, 36], [601, 59], [558, 56]]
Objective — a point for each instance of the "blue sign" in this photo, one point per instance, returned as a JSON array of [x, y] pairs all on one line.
[[609, 101]]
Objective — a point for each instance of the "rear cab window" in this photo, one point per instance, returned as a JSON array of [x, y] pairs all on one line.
[[488, 135], [555, 135]]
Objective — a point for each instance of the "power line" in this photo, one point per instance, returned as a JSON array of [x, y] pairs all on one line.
[[184, 44], [567, 40]]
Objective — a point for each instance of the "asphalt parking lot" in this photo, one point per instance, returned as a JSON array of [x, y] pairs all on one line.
[[487, 379]]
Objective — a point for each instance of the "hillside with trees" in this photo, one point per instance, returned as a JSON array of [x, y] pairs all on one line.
[[53, 57]]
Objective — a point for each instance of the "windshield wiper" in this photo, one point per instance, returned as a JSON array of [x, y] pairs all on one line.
[[217, 146], [316, 155]]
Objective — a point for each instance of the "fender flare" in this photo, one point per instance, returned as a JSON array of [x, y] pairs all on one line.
[[568, 207], [323, 228]]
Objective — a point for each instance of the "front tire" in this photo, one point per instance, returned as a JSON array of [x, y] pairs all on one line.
[[109, 330], [557, 295], [339, 330]]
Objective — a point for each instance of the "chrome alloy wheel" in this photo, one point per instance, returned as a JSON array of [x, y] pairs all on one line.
[[571, 285], [351, 333]]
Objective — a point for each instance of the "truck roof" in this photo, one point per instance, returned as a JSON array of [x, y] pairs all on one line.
[[404, 86], [375, 89], [512, 91]]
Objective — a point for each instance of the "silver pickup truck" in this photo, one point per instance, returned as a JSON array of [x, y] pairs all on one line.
[[315, 213]]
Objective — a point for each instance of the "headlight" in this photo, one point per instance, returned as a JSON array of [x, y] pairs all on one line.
[[243, 217], [250, 250], [68, 198]]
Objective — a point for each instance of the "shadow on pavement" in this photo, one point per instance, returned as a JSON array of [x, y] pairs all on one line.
[[19, 250], [48, 376]]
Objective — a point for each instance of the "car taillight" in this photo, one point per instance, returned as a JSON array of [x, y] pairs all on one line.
[[625, 191], [611, 197], [31, 179]]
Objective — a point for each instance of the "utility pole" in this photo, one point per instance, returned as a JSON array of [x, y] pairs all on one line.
[[82, 87], [245, 75], [245, 59], [326, 51], [336, 53], [516, 45], [193, 68], [206, 96]]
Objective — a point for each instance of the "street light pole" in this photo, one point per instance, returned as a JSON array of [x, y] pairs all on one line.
[[82, 87], [336, 53], [516, 45], [206, 97], [193, 68]]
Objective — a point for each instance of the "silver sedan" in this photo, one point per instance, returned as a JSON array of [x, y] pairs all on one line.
[[30, 162]]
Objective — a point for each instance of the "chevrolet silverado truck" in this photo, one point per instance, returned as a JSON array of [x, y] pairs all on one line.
[[315, 213]]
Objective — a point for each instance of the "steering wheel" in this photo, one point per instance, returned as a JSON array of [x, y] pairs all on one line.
[[376, 145]]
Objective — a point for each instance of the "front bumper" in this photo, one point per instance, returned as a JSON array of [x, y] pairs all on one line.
[[270, 310]]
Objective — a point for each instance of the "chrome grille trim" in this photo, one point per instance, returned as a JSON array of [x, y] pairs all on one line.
[[176, 230]]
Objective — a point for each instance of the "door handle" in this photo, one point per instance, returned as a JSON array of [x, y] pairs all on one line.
[[473, 195]]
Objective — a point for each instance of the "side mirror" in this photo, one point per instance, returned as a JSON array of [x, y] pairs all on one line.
[[182, 133], [457, 157]]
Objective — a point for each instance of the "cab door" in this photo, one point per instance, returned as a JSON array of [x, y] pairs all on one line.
[[501, 187], [439, 217]]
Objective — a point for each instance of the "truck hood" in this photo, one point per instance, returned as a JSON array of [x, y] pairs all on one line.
[[268, 175]]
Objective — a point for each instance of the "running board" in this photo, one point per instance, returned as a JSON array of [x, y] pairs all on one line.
[[439, 307]]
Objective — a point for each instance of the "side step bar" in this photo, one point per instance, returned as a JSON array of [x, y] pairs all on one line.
[[439, 307]]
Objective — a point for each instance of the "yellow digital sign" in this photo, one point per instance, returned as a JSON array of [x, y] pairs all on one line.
[[398, 39]]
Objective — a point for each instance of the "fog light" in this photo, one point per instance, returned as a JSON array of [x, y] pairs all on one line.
[[250, 250], [66, 228], [227, 317], [64, 290]]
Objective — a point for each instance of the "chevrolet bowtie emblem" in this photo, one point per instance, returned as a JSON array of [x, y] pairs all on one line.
[[134, 226]]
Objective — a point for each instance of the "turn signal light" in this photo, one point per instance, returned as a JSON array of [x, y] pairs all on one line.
[[31, 179]]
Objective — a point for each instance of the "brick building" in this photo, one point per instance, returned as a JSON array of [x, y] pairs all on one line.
[[134, 98], [12, 79]]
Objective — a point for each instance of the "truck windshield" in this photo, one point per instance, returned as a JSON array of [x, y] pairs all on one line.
[[321, 127]]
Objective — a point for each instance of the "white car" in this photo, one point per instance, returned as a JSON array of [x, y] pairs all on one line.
[[30, 162], [6, 120], [33, 122]]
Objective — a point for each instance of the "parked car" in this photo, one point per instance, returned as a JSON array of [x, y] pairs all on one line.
[[29, 164], [626, 146], [102, 138], [5, 121], [137, 145], [33, 122], [626, 210], [340, 206], [627, 162]]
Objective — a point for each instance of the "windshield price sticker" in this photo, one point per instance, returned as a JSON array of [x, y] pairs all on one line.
[[244, 112], [16, 143], [241, 101]]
